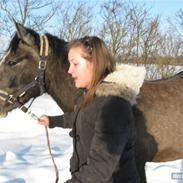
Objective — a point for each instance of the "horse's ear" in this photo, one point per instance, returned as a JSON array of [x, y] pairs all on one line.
[[23, 33]]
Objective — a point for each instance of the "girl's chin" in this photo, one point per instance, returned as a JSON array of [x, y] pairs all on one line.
[[77, 85]]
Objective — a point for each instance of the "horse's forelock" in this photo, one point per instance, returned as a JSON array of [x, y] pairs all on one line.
[[13, 43]]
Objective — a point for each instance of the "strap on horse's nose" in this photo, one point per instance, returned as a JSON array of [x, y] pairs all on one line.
[[3, 95]]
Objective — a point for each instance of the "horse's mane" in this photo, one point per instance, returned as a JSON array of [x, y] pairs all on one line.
[[59, 46], [14, 43]]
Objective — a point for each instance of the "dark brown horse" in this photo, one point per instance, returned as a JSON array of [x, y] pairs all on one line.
[[158, 112]]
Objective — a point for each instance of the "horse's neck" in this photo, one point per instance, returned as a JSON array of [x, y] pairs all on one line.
[[64, 96], [61, 87]]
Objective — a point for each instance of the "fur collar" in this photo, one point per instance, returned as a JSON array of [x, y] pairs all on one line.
[[124, 82]]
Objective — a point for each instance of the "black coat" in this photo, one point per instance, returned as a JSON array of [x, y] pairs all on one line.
[[103, 138]]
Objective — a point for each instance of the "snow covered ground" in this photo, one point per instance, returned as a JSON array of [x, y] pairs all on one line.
[[24, 156]]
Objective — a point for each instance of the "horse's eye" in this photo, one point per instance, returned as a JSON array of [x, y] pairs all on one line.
[[11, 62]]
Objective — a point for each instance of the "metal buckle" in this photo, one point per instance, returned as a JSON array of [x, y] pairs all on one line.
[[11, 99], [42, 64]]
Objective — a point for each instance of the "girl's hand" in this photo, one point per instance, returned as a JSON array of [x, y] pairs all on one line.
[[43, 120]]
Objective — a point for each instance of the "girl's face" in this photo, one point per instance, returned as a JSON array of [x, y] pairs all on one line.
[[80, 69]]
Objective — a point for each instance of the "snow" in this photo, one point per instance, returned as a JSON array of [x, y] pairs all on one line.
[[24, 155], [165, 172]]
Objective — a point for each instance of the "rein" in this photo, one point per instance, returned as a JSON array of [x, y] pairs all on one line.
[[38, 81]]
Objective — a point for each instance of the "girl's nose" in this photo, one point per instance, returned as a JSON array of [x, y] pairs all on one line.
[[70, 69]]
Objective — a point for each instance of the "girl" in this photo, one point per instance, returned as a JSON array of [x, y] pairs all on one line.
[[103, 128]]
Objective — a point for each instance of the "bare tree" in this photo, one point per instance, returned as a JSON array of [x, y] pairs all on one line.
[[129, 31], [114, 29], [175, 30], [169, 52], [150, 41], [32, 13], [74, 20], [179, 21], [135, 36]]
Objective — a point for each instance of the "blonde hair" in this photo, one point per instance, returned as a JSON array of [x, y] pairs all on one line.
[[95, 51]]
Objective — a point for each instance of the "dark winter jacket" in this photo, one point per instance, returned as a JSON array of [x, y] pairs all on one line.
[[103, 136]]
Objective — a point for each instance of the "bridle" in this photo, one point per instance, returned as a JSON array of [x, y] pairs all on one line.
[[39, 81]]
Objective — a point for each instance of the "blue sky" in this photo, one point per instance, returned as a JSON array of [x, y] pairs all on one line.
[[165, 8]]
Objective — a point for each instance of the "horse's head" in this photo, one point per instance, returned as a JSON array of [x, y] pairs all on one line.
[[22, 67], [18, 67]]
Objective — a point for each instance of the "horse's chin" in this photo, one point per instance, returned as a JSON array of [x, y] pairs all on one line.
[[5, 109], [3, 113]]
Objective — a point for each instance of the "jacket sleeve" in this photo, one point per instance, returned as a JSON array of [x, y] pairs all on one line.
[[64, 121], [67, 119], [110, 137]]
